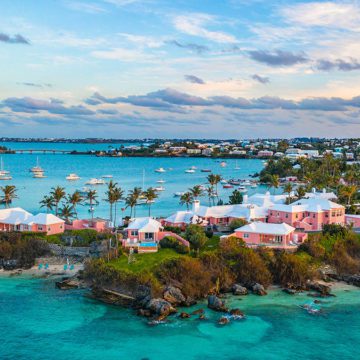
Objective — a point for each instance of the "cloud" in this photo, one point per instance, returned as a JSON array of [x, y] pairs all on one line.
[[16, 39], [31, 84], [90, 8], [121, 3], [278, 57], [260, 79], [196, 48], [194, 79], [195, 25], [339, 64], [121, 54]]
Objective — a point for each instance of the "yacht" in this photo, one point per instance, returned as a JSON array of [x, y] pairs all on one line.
[[223, 164], [37, 168], [107, 176], [242, 189], [72, 177], [206, 170], [159, 188], [95, 181], [236, 166], [254, 185], [2, 171], [234, 182], [246, 183], [39, 175], [190, 171], [5, 177], [228, 186], [161, 181], [160, 170], [223, 181], [179, 193]]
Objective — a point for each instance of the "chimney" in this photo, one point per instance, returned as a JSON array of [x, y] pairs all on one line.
[[196, 206], [324, 190], [313, 190], [245, 199], [267, 194]]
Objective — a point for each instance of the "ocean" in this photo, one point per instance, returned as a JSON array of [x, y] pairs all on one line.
[[41, 322], [127, 172]]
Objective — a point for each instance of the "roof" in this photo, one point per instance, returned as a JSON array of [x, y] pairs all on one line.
[[43, 219], [144, 224], [266, 228], [265, 199], [14, 216], [181, 217], [321, 195], [311, 205]]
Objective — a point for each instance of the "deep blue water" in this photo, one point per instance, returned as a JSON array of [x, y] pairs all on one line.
[[127, 172], [41, 322]]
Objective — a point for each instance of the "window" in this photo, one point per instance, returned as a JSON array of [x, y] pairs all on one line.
[[246, 236], [296, 216], [49, 228], [287, 215], [134, 233], [40, 228], [149, 236]]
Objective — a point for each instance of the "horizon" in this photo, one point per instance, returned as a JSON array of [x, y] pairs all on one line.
[[137, 69]]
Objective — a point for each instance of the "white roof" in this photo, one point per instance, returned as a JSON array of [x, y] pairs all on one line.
[[266, 228], [185, 217], [14, 216], [321, 195], [43, 219], [265, 199], [311, 205], [144, 224]]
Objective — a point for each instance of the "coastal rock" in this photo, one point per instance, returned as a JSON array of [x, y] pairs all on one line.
[[202, 317], [290, 291], [223, 320], [112, 297], [67, 284], [144, 312], [174, 296], [349, 279], [236, 312], [320, 288], [258, 289], [196, 312], [237, 289], [184, 315], [142, 296], [216, 304], [160, 307]]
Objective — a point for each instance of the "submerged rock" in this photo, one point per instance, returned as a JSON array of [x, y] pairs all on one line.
[[237, 289], [258, 289], [67, 284], [144, 312], [184, 315], [196, 312], [236, 312], [223, 320], [214, 303], [202, 317], [290, 291], [160, 307], [174, 296]]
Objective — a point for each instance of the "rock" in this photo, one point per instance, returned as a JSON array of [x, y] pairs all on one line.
[[289, 291], [112, 297], [67, 284], [320, 295], [142, 296], [223, 320], [196, 312], [144, 312], [236, 312], [160, 307], [258, 289], [174, 296], [237, 289], [216, 304], [320, 288], [202, 317], [184, 315]]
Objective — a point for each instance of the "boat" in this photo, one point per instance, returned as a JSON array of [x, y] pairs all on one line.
[[5, 177], [160, 170], [228, 186], [253, 185], [161, 181], [246, 183], [72, 177], [39, 175], [95, 181], [2, 171], [242, 189], [179, 193], [236, 166], [107, 176], [189, 171], [205, 170], [143, 201], [193, 167], [159, 188], [223, 181], [37, 168], [234, 182], [223, 164]]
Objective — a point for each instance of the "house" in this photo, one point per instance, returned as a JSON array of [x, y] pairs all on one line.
[[265, 234], [265, 153], [98, 224], [181, 219], [308, 214], [353, 220], [18, 219], [144, 234], [320, 195]]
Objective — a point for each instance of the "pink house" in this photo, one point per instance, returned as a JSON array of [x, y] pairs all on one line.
[[100, 225], [353, 220], [273, 235], [308, 214]]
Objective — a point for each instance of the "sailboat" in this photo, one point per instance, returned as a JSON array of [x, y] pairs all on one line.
[[4, 174], [37, 168], [236, 166]]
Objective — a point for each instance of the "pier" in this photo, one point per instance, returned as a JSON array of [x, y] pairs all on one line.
[[42, 151]]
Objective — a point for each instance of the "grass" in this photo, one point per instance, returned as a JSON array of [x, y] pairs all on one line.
[[144, 262]]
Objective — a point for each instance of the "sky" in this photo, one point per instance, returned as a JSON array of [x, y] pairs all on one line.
[[179, 68]]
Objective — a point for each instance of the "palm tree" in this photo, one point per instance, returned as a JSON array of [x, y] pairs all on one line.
[[131, 202], [210, 193], [135, 194], [118, 195], [57, 194], [67, 212], [110, 197], [150, 195], [288, 189], [75, 199], [274, 182], [47, 202], [348, 192], [196, 191], [186, 199], [300, 192], [91, 196], [9, 194]]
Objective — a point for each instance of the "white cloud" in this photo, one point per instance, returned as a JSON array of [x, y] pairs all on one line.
[[121, 54], [195, 25], [90, 8]]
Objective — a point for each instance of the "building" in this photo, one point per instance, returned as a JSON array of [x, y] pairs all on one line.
[[274, 235], [353, 220], [193, 151], [308, 214], [320, 195], [18, 219], [97, 224], [265, 153]]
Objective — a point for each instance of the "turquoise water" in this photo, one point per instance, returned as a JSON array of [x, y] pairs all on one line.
[[41, 322], [127, 172]]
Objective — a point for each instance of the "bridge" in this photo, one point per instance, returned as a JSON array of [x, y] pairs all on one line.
[[42, 151]]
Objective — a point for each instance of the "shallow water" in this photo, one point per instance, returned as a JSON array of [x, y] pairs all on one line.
[[41, 322], [127, 172]]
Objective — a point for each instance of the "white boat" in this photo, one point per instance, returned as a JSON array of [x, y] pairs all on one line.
[[179, 193], [107, 176], [161, 181], [5, 177], [242, 189], [254, 185], [246, 183], [39, 175], [95, 181], [190, 171], [193, 167], [143, 201], [160, 170], [236, 166], [2, 171], [37, 168], [223, 164], [159, 188], [223, 181], [71, 177]]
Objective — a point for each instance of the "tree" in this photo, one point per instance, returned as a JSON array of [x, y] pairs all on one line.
[[131, 202], [110, 198], [195, 234], [236, 223], [9, 192], [57, 194], [288, 188], [135, 195], [75, 199], [150, 195], [210, 193], [300, 192], [348, 192], [214, 179], [186, 199], [91, 197], [196, 191], [67, 212], [235, 198], [118, 195], [47, 202], [274, 182]]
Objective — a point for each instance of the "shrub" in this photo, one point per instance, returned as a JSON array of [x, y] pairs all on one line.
[[195, 234], [334, 229], [171, 242], [343, 262], [236, 223], [174, 229]]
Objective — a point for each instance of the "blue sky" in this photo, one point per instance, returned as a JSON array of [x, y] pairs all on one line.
[[159, 68]]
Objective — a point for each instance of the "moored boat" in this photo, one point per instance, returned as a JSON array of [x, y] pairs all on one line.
[[95, 181], [189, 171], [72, 177], [205, 170], [160, 170]]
